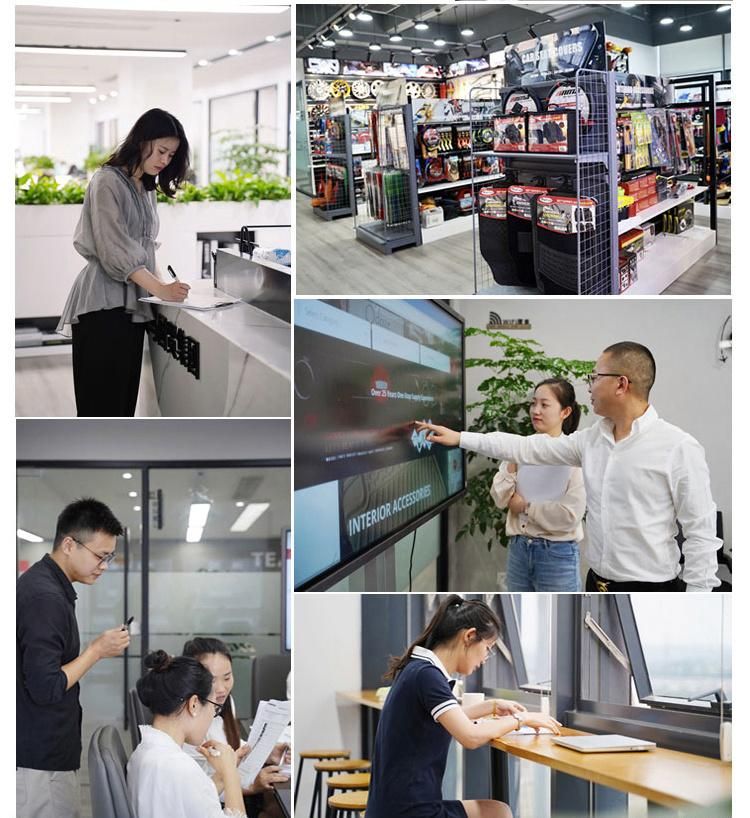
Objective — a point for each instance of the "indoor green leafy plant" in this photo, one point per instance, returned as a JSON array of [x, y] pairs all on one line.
[[255, 158], [519, 365], [46, 190]]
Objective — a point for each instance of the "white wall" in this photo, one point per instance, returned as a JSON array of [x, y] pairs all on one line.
[[692, 390], [326, 659], [152, 440], [644, 59], [704, 55]]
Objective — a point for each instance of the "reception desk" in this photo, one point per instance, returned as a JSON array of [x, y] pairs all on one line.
[[232, 361]]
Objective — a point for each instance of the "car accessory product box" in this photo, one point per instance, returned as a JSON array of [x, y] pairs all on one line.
[[566, 214], [520, 243], [519, 199], [553, 132], [493, 234], [510, 133]]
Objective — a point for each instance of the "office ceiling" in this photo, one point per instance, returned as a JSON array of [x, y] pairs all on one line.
[[489, 22]]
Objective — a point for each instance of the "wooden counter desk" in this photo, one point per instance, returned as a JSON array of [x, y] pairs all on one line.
[[366, 698], [666, 777]]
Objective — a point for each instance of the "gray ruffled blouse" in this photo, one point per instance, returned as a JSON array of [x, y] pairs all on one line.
[[116, 234]]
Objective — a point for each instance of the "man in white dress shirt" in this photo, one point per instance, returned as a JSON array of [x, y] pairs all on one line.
[[641, 473]]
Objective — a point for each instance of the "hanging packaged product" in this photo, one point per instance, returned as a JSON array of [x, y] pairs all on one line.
[[396, 206], [659, 140], [493, 234], [565, 96], [462, 137], [428, 138], [552, 132], [520, 243], [510, 133], [679, 219], [483, 136], [521, 100], [558, 218], [452, 173]]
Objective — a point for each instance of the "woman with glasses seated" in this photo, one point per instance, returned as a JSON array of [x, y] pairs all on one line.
[[421, 714], [162, 779], [545, 504], [214, 655]]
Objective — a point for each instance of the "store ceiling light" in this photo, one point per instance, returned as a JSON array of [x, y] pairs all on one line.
[[234, 52], [686, 27], [270, 38], [667, 21], [440, 42], [239, 503], [352, 15], [365, 17], [132, 494], [202, 63], [374, 46], [44, 99], [420, 25], [136, 508], [198, 514], [415, 49], [194, 534], [56, 89], [395, 38], [628, 5], [248, 516], [114, 94], [126, 475], [328, 42], [78, 51], [28, 536], [220, 7], [467, 32], [102, 97], [722, 9], [346, 32]]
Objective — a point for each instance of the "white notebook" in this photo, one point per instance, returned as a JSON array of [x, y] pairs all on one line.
[[199, 301], [604, 744]]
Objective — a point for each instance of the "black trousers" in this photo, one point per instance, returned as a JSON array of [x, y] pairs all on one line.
[[107, 357], [597, 584]]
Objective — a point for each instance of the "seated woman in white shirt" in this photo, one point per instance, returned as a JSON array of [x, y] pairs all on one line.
[[162, 779], [214, 655], [545, 529]]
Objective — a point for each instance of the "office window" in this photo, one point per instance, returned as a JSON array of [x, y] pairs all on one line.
[[232, 119], [533, 613]]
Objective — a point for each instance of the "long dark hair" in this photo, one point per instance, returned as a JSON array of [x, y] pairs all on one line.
[[454, 615], [154, 124], [566, 397], [202, 646], [170, 681]]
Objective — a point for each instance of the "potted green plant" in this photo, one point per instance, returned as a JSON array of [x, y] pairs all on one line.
[[520, 363]]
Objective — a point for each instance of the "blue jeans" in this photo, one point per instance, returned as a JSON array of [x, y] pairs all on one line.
[[536, 564]]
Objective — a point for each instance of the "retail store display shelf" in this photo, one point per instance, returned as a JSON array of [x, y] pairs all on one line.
[[591, 158], [385, 239], [460, 183], [669, 258], [657, 210], [443, 231]]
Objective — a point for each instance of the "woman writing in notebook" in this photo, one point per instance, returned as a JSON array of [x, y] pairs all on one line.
[[421, 715], [116, 234]]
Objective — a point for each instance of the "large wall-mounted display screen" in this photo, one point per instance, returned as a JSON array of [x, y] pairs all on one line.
[[365, 370]]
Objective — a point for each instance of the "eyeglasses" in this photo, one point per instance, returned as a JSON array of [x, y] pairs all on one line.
[[103, 560], [594, 376], [490, 651], [217, 707]]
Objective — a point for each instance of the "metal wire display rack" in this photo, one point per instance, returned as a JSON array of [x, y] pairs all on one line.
[[336, 198], [587, 174]]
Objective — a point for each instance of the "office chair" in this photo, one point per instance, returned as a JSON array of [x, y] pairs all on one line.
[[107, 761], [138, 713], [268, 679]]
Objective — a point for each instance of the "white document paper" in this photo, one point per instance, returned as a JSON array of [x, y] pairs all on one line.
[[270, 722], [199, 301], [542, 484], [529, 731]]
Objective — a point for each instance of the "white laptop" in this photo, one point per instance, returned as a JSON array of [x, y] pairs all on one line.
[[604, 744]]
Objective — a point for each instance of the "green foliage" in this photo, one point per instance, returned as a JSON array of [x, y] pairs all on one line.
[[95, 159], [46, 190], [247, 187], [253, 158], [36, 164], [519, 365]]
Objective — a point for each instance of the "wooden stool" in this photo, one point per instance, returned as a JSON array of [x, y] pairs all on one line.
[[318, 755], [345, 782], [347, 804], [346, 765]]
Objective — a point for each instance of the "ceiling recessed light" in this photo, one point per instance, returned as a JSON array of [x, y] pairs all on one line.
[[374, 46], [202, 63], [686, 27], [198, 514], [346, 32], [329, 43], [194, 534], [114, 94], [628, 5], [52, 89], [126, 475], [233, 52], [240, 503], [467, 32], [271, 38], [723, 8], [136, 508], [667, 21], [28, 536], [102, 97], [395, 38], [352, 15], [421, 25], [415, 49], [132, 494], [76, 51], [439, 42], [248, 516], [364, 16]]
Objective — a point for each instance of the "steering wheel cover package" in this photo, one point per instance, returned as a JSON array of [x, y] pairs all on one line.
[[510, 133]]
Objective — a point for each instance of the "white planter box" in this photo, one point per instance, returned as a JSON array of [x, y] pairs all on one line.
[[47, 264]]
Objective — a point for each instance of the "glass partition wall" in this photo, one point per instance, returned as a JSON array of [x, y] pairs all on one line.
[[212, 539]]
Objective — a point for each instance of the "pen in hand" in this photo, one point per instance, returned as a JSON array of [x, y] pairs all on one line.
[[182, 289], [127, 624]]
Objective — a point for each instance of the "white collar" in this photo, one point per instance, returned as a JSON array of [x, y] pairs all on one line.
[[152, 735], [423, 653], [640, 424]]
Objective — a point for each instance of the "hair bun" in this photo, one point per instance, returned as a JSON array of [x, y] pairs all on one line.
[[158, 661]]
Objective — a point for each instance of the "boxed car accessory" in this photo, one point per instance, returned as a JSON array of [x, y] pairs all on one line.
[[521, 100], [633, 241], [493, 234], [679, 219], [483, 136], [520, 241], [431, 217], [552, 132], [565, 96], [510, 133], [627, 270], [558, 219]]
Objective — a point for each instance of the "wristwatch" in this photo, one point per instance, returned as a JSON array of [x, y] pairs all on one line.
[[518, 721]]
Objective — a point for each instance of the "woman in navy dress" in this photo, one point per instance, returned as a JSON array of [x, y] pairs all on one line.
[[421, 715]]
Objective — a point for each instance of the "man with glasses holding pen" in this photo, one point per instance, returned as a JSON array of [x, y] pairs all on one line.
[[50, 664], [641, 475]]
